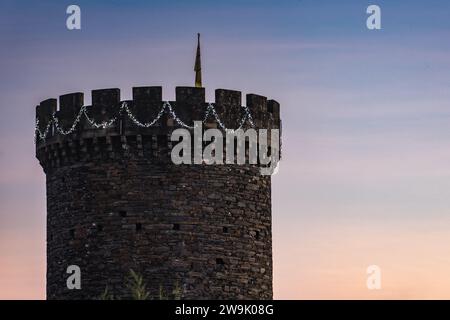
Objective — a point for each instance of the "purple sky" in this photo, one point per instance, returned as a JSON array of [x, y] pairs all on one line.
[[365, 177]]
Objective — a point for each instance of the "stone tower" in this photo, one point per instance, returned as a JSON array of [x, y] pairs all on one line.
[[115, 200]]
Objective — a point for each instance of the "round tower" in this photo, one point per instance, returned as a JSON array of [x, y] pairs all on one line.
[[116, 202]]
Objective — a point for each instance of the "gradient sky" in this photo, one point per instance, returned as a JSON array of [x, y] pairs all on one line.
[[365, 177]]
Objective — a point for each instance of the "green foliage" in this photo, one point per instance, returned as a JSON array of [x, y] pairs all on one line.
[[138, 290], [177, 291], [137, 286], [162, 294], [106, 295]]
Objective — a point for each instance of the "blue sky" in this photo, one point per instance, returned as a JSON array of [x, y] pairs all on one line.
[[366, 123]]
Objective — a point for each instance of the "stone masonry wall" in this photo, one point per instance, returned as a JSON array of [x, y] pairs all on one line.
[[116, 202]]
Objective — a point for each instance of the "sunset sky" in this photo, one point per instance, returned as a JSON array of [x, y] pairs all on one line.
[[365, 175]]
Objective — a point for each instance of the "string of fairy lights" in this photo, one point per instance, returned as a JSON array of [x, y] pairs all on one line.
[[166, 107]]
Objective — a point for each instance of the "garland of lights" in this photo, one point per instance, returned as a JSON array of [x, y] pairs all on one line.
[[210, 110]]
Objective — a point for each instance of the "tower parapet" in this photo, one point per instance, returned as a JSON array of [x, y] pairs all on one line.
[[68, 131]]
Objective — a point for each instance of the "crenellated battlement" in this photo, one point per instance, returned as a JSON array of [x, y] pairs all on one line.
[[144, 123]]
